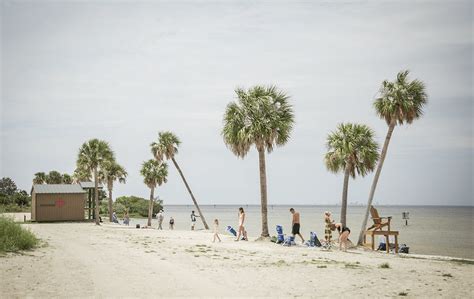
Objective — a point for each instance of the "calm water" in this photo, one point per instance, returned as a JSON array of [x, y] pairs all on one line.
[[431, 229]]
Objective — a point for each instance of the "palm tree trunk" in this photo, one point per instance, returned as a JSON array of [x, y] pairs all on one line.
[[96, 197], [263, 192], [191, 193], [150, 205], [344, 195], [110, 204], [391, 127]]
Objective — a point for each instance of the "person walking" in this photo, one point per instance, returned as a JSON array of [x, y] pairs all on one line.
[[160, 219], [296, 224], [193, 220], [242, 230]]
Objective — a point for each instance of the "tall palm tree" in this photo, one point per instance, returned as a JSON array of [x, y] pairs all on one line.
[[40, 178], [92, 157], [154, 173], [400, 102], [110, 173], [167, 148], [262, 117], [353, 150]]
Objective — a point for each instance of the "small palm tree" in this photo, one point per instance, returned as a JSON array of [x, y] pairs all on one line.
[[351, 149], [154, 173], [54, 177], [399, 102], [261, 117], [110, 173], [40, 178], [167, 148], [92, 157], [81, 175], [66, 179]]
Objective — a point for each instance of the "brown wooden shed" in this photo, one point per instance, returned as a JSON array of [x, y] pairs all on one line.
[[57, 202]]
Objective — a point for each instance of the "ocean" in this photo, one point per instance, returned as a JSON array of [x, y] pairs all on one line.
[[433, 230]]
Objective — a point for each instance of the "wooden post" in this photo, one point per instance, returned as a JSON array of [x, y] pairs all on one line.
[[396, 243], [387, 242], [373, 241]]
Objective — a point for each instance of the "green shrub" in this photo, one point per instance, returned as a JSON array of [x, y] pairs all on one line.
[[13, 237], [384, 266]]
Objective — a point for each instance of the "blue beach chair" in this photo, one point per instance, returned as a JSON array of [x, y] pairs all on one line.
[[231, 231], [280, 235], [289, 241]]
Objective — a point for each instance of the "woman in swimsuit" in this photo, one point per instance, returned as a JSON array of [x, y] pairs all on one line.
[[241, 225], [344, 232]]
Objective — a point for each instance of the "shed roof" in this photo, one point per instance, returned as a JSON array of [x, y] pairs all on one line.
[[57, 188], [88, 185]]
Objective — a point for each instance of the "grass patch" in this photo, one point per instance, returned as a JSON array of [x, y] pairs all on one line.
[[403, 294], [447, 275], [351, 265], [384, 266], [13, 237], [321, 266]]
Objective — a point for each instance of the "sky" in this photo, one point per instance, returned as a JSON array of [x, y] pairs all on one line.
[[123, 71]]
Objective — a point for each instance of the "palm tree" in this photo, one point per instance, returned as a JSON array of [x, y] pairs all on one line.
[[154, 173], [40, 178], [92, 157], [66, 179], [110, 173], [167, 148], [399, 102], [81, 175], [351, 149], [54, 177], [262, 117]]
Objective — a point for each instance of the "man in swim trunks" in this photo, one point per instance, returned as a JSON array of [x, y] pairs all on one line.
[[295, 223]]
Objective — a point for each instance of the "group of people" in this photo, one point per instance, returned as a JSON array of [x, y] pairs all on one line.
[[330, 226], [241, 233], [161, 218]]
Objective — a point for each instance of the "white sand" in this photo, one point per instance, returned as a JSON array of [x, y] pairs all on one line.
[[84, 260]]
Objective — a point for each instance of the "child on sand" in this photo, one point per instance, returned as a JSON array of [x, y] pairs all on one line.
[[216, 231], [171, 223]]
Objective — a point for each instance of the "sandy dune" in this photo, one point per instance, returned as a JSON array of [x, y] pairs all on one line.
[[83, 260]]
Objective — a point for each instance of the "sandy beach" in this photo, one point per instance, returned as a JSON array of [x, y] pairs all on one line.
[[84, 260]]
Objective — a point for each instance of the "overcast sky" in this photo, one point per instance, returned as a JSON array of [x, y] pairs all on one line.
[[72, 71]]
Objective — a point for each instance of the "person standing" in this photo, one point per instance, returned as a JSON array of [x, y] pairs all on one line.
[[126, 218], [328, 228], [242, 230], [296, 224], [160, 219], [193, 220], [216, 231]]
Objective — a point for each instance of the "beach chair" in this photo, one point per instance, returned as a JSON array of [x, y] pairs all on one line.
[[231, 230], [289, 241], [313, 240], [280, 235], [379, 222]]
